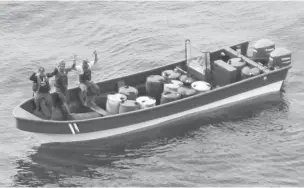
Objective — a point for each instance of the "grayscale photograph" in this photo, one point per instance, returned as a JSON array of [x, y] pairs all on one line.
[[152, 93]]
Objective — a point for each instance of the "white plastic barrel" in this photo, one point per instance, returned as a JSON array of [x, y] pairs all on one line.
[[170, 87], [113, 102], [146, 102], [201, 86]]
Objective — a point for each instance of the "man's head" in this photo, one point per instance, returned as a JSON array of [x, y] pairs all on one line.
[[61, 66], [85, 65], [41, 71]]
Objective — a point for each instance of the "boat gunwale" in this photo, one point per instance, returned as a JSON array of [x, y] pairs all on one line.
[[155, 107]]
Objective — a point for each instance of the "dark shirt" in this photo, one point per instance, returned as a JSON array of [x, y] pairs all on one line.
[[61, 79], [44, 84], [86, 76]]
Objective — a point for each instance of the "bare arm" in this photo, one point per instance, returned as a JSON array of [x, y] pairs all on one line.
[[33, 77], [95, 59], [77, 68], [73, 67], [74, 63], [52, 73]]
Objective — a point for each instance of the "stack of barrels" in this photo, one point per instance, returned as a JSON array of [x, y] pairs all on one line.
[[239, 64], [170, 86], [243, 71], [123, 101]]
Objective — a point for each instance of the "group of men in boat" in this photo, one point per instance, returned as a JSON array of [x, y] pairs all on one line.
[[41, 85]]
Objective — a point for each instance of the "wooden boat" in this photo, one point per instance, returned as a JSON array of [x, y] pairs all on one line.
[[224, 92]]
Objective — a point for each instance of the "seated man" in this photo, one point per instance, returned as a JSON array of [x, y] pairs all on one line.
[[61, 84], [41, 87], [84, 72]]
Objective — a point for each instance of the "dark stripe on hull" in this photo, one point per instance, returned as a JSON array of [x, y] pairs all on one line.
[[122, 120]]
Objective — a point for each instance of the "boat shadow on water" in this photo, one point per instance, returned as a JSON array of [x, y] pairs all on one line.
[[52, 163]]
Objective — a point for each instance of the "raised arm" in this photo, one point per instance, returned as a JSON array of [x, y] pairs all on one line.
[[95, 59], [52, 73], [77, 68], [73, 67], [33, 77]]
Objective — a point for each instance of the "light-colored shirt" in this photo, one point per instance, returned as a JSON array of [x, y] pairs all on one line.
[[79, 69]]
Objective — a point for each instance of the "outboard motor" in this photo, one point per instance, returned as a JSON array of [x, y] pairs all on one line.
[[280, 57], [261, 50]]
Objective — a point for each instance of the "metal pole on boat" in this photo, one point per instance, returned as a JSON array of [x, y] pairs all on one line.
[[186, 50], [208, 67], [206, 63], [187, 42]]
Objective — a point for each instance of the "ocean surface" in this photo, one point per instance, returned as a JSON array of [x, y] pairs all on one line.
[[257, 144]]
